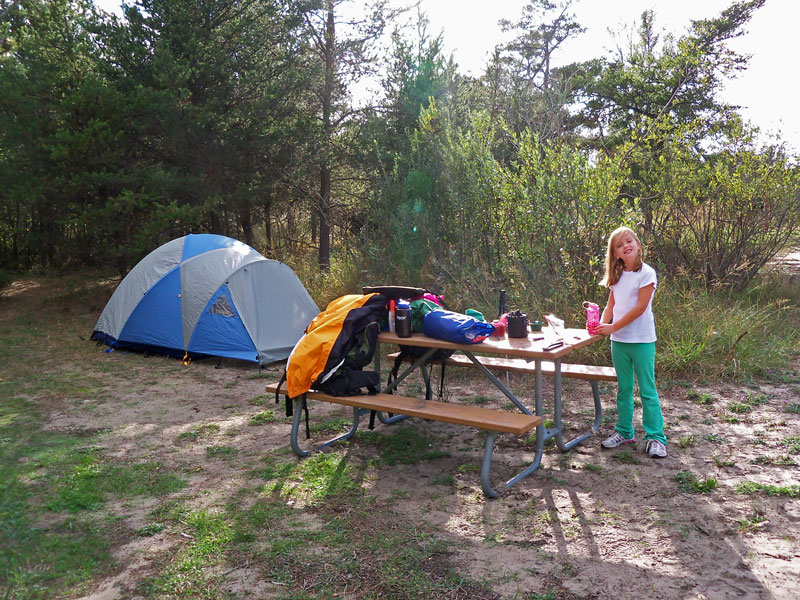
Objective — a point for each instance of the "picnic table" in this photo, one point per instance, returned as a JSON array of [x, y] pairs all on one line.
[[532, 355], [535, 355]]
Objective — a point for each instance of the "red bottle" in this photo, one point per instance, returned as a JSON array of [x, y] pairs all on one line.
[[392, 311]]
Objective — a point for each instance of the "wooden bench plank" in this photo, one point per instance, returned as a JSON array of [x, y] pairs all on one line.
[[520, 365], [459, 414]]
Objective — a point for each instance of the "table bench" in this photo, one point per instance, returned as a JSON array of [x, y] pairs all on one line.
[[591, 373], [493, 421]]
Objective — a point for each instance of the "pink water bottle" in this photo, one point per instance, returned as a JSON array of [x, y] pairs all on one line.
[[592, 317]]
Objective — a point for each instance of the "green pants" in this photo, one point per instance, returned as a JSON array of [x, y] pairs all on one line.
[[638, 359]]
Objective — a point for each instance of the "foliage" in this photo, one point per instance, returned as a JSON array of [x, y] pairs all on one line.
[[235, 118], [722, 333], [717, 216], [649, 78], [522, 69]]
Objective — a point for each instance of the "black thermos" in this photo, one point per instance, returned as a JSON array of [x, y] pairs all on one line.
[[402, 320]]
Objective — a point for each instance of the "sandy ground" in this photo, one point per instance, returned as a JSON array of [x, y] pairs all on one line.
[[594, 523], [591, 523]]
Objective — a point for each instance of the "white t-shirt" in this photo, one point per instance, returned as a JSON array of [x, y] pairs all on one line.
[[641, 330]]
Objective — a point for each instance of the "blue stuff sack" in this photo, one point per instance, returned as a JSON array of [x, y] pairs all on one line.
[[455, 328]]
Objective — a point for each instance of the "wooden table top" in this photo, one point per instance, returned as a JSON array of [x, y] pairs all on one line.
[[530, 347]]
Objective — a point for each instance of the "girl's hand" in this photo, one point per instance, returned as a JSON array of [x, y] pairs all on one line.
[[605, 329]]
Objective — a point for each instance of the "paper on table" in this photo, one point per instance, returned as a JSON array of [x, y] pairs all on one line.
[[556, 324]]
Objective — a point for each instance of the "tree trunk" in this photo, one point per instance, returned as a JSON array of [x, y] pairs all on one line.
[[325, 168], [268, 224], [324, 217], [246, 222]]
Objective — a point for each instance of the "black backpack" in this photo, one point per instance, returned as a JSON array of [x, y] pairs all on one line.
[[350, 378]]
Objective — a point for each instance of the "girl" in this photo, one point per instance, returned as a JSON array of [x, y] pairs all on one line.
[[628, 319]]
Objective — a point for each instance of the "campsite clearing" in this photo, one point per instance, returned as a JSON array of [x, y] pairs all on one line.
[[180, 481]]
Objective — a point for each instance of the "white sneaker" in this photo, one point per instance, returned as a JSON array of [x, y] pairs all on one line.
[[656, 449], [616, 440]]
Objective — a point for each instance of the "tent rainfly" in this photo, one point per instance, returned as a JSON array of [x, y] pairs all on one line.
[[208, 295]]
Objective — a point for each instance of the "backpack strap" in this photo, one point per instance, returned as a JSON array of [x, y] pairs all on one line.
[[441, 383], [305, 407], [372, 414], [398, 360], [289, 411]]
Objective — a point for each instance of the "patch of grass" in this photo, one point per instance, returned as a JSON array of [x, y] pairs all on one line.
[[686, 441], [548, 595], [689, 482], [792, 444], [714, 345], [189, 573], [150, 529], [216, 451], [446, 480], [755, 400], [793, 408], [752, 487], [701, 398], [274, 469], [262, 418], [403, 446], [733, 419], [593, 468], [42, 557], [751, 523], [716, 438], [329, 426], [324, 475], [780, 461], [198, 432], [721, 463], [469, 467], [479, 400], [265, 513], [739, 408], [86, 484], [626, 457], [262, 400]]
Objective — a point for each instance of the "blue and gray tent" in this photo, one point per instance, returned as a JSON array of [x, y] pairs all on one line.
[[208, 295]]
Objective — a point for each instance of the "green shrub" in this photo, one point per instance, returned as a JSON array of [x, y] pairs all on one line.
[[722, 334], [6, 278]]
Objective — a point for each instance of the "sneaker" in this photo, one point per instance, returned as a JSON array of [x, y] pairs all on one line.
[[656, 449], [616, 440]]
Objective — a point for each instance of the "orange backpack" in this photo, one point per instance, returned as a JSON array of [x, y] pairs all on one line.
[[337, 345]]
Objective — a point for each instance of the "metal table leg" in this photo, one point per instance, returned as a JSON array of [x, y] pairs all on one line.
[[417, 364], [299, 406], [542, 434], [598, 414]]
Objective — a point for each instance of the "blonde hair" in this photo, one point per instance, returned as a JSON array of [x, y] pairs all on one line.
[[614, 266]]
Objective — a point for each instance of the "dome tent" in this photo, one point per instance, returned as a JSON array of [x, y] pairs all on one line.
[[208, 295]]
